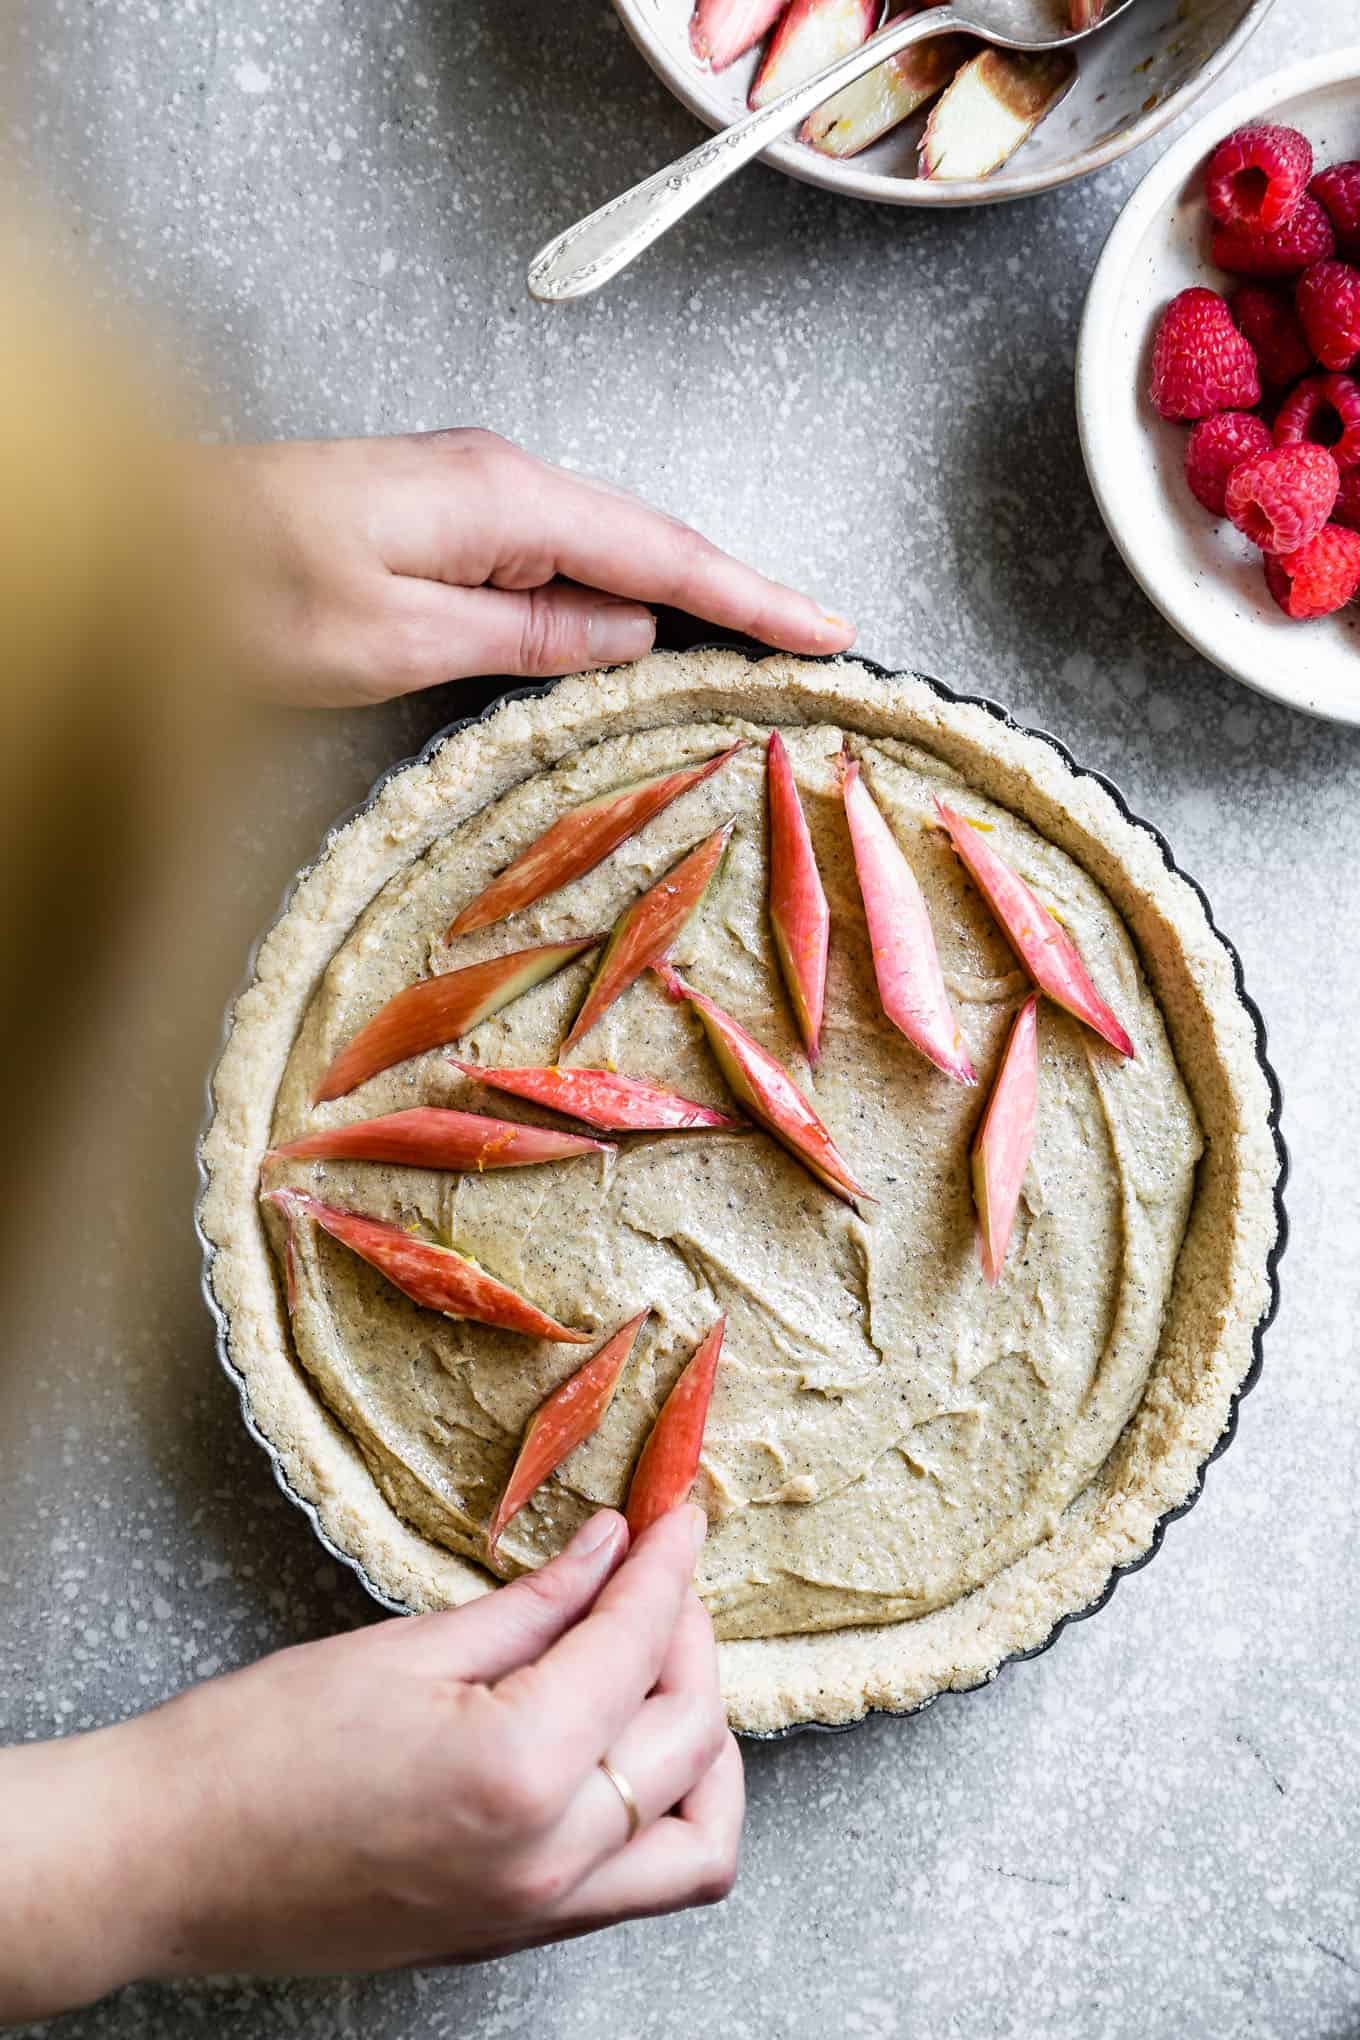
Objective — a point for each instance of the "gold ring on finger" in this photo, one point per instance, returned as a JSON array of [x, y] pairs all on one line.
[[626, 1794]]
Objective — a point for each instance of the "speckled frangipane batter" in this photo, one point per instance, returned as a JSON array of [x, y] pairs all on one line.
[[885, 1432]]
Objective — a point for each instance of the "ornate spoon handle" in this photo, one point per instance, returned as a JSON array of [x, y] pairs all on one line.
[[588, 254]]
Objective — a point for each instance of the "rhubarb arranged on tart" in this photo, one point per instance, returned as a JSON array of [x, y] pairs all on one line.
[[795, 1086]]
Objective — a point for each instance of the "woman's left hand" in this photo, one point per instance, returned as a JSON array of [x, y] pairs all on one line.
[[354, 570]]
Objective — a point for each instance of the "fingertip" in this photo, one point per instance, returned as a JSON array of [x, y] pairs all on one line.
[[602, 1539]]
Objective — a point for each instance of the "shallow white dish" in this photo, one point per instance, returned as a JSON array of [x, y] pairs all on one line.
[[1133, 78], [1204, 577]]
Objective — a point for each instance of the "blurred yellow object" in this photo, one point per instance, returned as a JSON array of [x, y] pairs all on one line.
[[76, 510]]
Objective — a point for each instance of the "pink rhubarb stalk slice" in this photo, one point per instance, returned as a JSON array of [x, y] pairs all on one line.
[[1004, 1139], [644, 932], [1084, 13], [1043, 946], [811, 35], [862, 113], [989, 108], [798, 911], [429, 1137], [767, 1091], [578, 841], [669, 1460], [439, 1009], [604, 1099], [570, 1415], [911, 985], [720, 31], [435, 1277]]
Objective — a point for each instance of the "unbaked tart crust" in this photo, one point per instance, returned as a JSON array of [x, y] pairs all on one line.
[[909, 1476]]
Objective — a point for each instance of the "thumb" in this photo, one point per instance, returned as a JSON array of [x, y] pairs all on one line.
[[514, 1625], [536, 632]]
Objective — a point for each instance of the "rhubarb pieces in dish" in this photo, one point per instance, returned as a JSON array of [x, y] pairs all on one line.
[[984, 102]]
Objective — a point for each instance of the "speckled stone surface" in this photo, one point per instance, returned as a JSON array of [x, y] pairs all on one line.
[[1152, 1831]]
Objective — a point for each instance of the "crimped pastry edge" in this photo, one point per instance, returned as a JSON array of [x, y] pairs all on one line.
[[1224, 1281]]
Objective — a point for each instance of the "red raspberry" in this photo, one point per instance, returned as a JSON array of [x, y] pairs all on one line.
[[1338, 189], [1328, 300], [1257, 176], [1217, 446], [1283, 498], [1200, 362], [1325, 411], [1305, 238], [1322, 576], [1268, 320], [1347, 507]]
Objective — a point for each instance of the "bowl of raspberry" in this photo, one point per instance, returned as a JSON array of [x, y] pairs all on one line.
[[947, 123], [1218, 386]]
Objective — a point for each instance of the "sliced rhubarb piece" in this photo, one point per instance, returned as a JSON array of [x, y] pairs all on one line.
[[571, 1414], [798, 911], [990, 107], [870, 108], [428, 1137], [720, 31], [1084, 13], [431, 1275], [1001, 1148], [438, 1010], [578, 841], [1042, 944], [669, 1461], [603, 1098], [767, 1091], [645, 931], [911, 985], [812, 34]]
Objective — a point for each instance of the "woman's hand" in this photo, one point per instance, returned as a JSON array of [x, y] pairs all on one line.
[[425, 1790], [354, 570]]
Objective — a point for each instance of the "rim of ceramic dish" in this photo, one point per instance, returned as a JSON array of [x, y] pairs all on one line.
[[1095, 338], [842, 176], [221, 1319]]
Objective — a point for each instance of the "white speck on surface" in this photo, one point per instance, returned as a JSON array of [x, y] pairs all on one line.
[[250, 77]]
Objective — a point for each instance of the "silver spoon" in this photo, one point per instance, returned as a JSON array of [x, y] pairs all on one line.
[[595, 249]]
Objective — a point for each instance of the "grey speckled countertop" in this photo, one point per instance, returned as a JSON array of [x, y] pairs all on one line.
[[1154, 1830]]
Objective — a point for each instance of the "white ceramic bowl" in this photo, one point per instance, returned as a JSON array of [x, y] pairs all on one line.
[[1133, 78], [1203, 576]]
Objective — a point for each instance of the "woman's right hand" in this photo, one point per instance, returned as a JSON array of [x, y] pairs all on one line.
[[425, 1790]]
